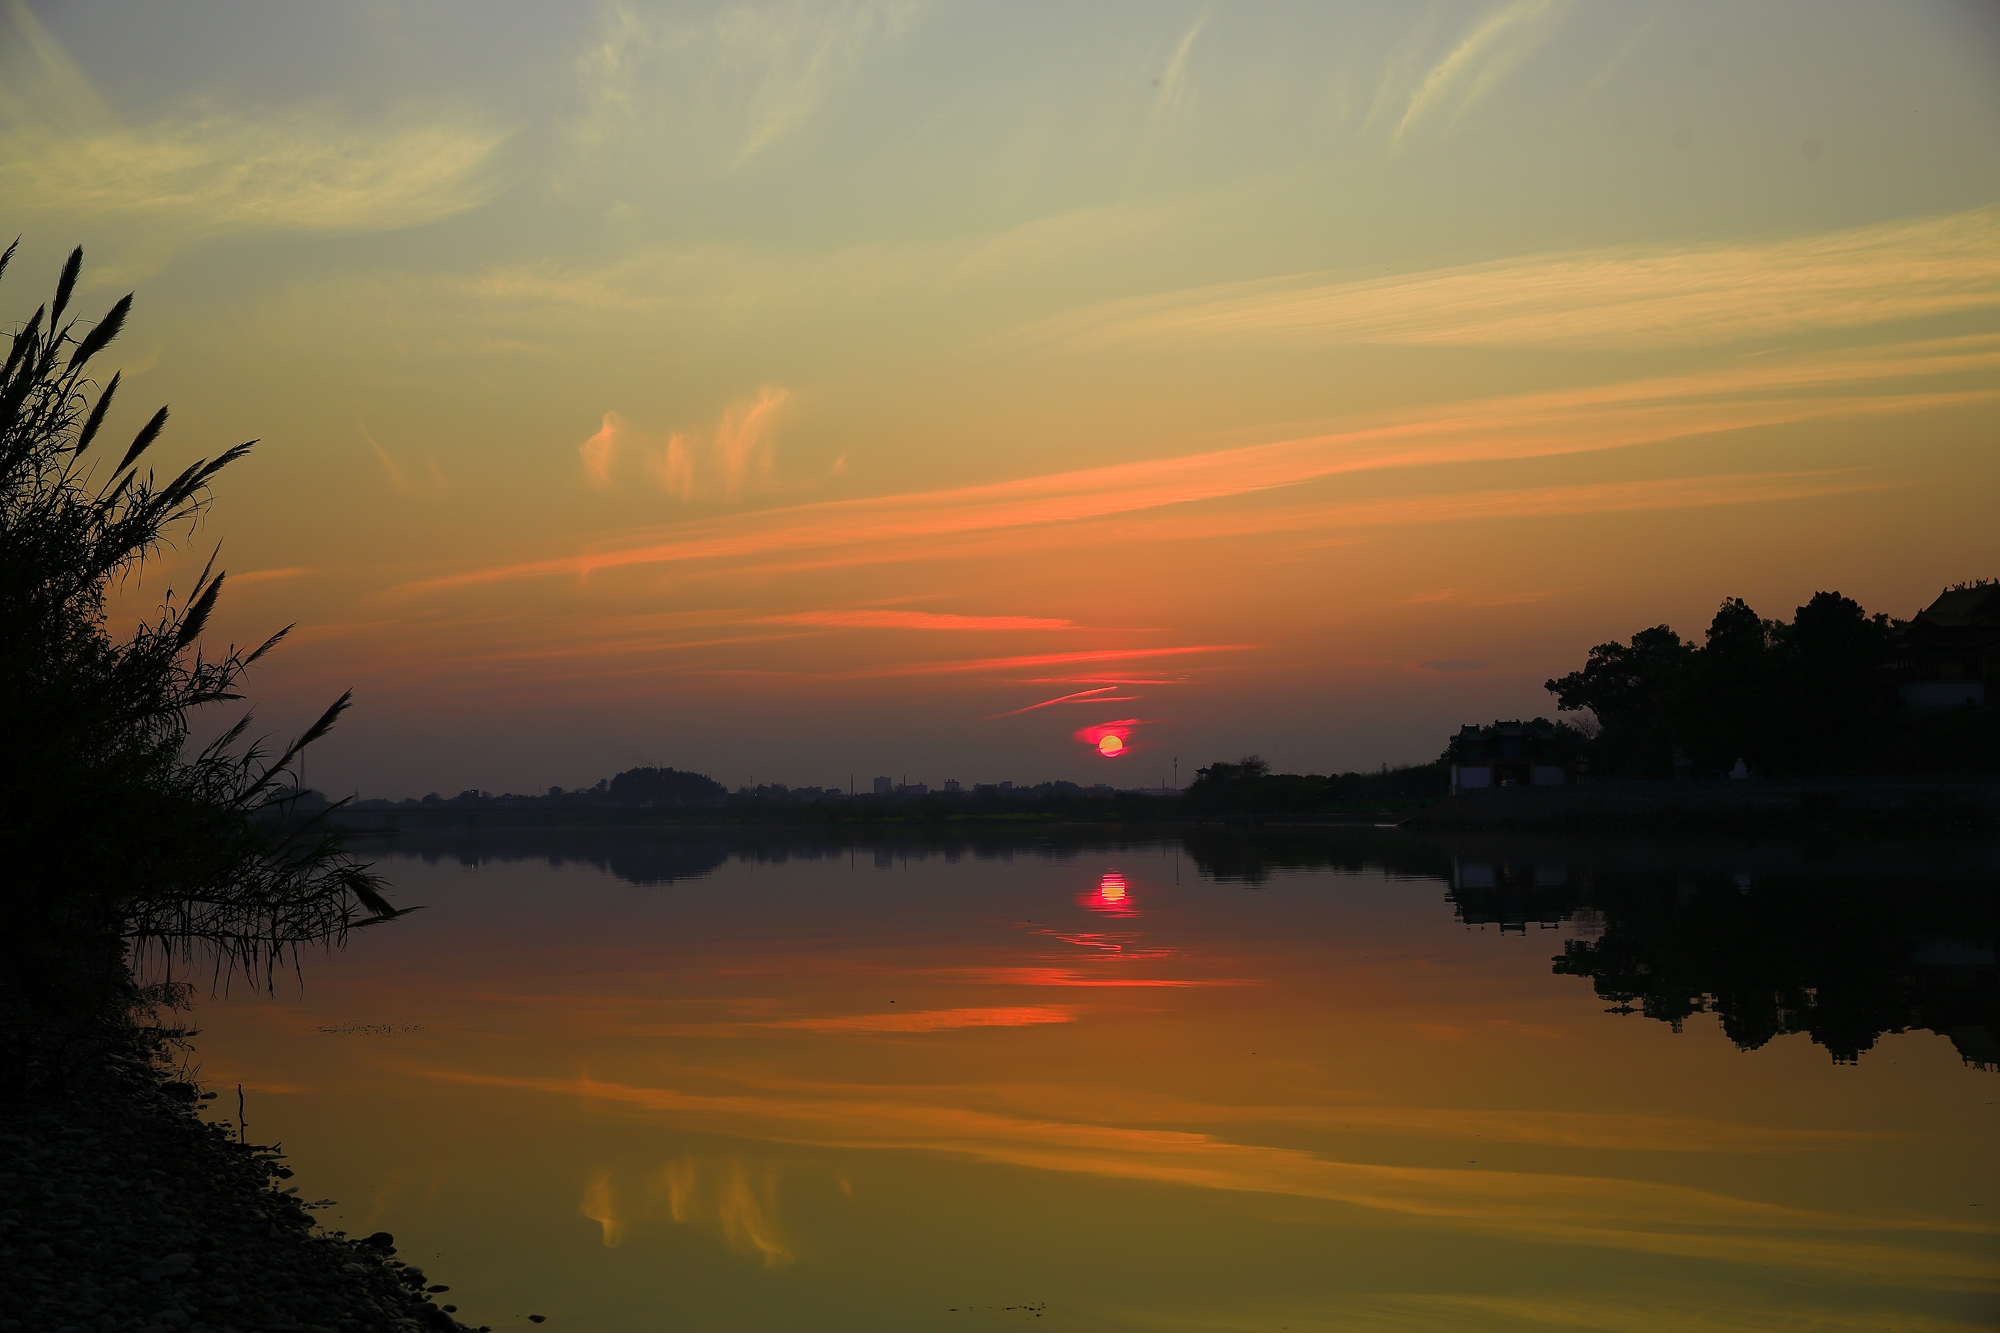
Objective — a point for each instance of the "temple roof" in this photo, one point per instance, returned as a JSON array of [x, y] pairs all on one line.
[[1978, 604]]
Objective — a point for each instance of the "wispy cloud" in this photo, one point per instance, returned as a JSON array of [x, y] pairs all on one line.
[[936, 1020], [735, 282], [408, 476], [1632, 296], [1479, 62], [801, 53], [1583, 498], [267, 575], [509, 649], [205, 170], [1069, 976], [1042, 659], [1081, 696], [917, 620], [1068, 237], [750, 75], [1173, 79], [1336, 523], [738, 454], [1559, 422]]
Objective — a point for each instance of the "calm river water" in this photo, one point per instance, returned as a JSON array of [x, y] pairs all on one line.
[[1314, 1080]]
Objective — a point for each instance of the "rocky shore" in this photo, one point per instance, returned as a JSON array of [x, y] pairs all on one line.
[[120, 1208]]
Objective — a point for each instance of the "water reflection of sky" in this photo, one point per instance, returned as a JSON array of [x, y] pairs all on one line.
[[812, 1088]]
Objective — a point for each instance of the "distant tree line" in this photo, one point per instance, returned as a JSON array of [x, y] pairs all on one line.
[[1249, 787], [1809, 696], [633, 789], [675, 791], [666, 795]]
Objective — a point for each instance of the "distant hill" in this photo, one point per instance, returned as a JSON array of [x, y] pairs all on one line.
[[666, 786]]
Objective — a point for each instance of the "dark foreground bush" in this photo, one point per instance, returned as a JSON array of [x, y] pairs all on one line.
[[116, 835]]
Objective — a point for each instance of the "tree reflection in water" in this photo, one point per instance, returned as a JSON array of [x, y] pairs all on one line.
[[1842, 958], [1843, 943], [1842, 963]]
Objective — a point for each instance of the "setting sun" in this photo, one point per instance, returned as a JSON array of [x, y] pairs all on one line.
[[1110, 739]]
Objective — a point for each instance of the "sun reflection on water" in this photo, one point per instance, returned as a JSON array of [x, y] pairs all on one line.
[[1112, 896]]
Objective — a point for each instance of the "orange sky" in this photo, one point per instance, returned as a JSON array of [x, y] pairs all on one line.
[[790, 392]]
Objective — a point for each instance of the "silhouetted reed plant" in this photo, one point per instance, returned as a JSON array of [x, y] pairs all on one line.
[[122, 839]]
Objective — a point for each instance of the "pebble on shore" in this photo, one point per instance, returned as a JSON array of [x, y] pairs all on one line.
[[121, 1210]]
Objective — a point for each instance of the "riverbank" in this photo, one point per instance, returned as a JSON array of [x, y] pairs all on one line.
[[1890, 805], [837, 819], [121, 1209], [806, 817], [1851, 803]]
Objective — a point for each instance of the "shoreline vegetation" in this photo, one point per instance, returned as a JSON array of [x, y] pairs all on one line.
[[1915, 802], [119, 1208]]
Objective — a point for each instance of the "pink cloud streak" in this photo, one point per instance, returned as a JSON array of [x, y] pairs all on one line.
[[1080, 695], [1524, 426], [1042, 659], [936, 1020], [920, 620]]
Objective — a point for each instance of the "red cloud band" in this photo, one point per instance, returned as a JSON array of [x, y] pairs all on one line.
[[1109, 739]]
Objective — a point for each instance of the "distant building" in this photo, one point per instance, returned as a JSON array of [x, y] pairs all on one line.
[[1510, 754], [883, 786], [1948, 654], [951, 785]]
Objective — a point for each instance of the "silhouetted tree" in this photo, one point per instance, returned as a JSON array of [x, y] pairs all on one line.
[[1632, 690], [113, 832], [1799, 697], [1723, 705], [1834, 696], [1247, 769]]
